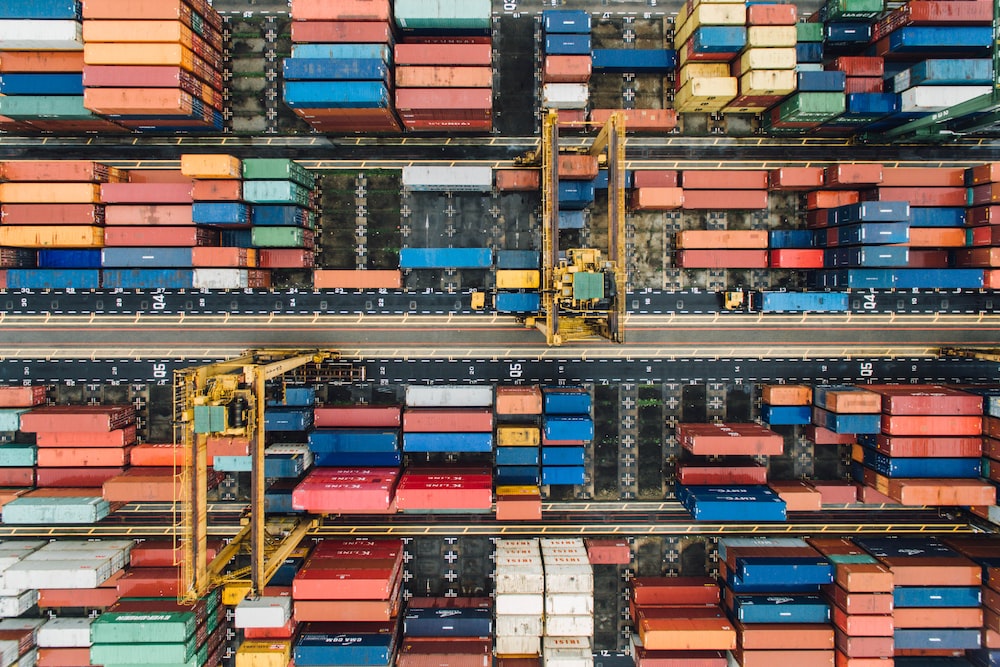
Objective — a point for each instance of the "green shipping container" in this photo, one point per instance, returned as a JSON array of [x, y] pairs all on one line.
[[275, 192], [811, 107], [849, 10], [14, 455], [142, 627], [143, 654], [50, 107], [10, 418], [444, 14], [809, 32], [278, 237], [56, 511], [277, 169], [588, 285], [209, 418]]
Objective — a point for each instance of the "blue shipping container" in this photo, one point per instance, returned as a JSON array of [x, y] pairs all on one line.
[[786, 415], [872, 211], [563, 456], [336, 95], [731, 503], [867, 256], [753, 571], [518, 302], [936, 596], [944, 638], [445, 258], [336, 69], [937, 217], [635, 60], [279, 215], [296, 396], [517, 456], [781, 609], [801, 302], [220, 213], [448, 442], [287, 419], [518, 259], [353, 440], [567, 44], [357, 459], [284, 466], [40, 9], [847, 423], [41, 84], [971, 40], [938, 279], [601, 181], [948, 468], [809, 52], [872, 105], [569, 475], [945, 72], [448, 622], [575, 195], [556, 402], [718, 39], [342, 51], [147, 278], [855, 279], [853, 32], [69, 259], [146, 257], [572, 219], [322, 649], [278, 499], [874, 232], [517, 475], [821, 82], [790, 238], [566, 20], [568, 428]]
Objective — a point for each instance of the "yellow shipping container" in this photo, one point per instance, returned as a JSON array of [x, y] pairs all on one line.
[[173, 32], [511, 490], [50, 193], [264, 653], [518, 436], [771, 36], [706, 94], [729, 13], [694, 70], [768, 82], [517, 279], [767, 59], [211, 166], [174, 55], [738, 109], [51, 236]]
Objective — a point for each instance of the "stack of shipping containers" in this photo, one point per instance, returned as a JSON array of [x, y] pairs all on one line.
[[708, 38], [766, 67], [567, 62], [567, 433]]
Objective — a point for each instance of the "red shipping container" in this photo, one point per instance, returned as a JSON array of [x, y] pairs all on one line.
[[786, 258], [22, 397], [984, 236], [204, 82], [60, 171], [74, 418], [933, 447], [731, 471], [658, 178], [572, 119], [217, 190], [608, 551], [146, 193], [443, 54], [153, 215], [346, 279], [865, 647], [423, 651], [646, 658], [154, 454], [951, 12], [162, 553], [675, 591], [19, 477], [286, 258], [722, 259], [852, 175], [639, 120], [913, 177], [927, 425], [927, 399], [352, 416], [115, 438], [836, 492], [433, 420], [795, 178], [511, 180], [153, 582], [725, 199], [475, 101], [863, 84], [144, 485], [566, 69], [449, 125], [347, 490], [729, 438], [445, 489], [711, 179], [93, 457], [771, 15], [75, 477], [287, 631], [871, 496], [227, 445], [63, 657], [101, 597], [51, 214], [39, 62], [359, 548], [361, 584], [991, 279], [343, 10], [859, 66], [441, 76], [208, 256], [920, 196], [160, 237], [342, 32], [831, 198]]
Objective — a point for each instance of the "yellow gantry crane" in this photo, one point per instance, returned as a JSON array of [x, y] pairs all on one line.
[[583, 295], [228, 398]]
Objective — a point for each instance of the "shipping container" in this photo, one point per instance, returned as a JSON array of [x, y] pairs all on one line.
[[460, 258], [443, 15], [634, 60]]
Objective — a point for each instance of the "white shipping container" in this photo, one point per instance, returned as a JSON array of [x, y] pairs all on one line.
[[23, 548], [117, 559], [89, 545], [510, 560], [58, 574], [567, 658], [221, 279], [561, 542], [289, 448], [564, 552], [529, 552], [517, 645], [565, 95], [519, 582], [41, 35], [569, 579], [531, 543], [449, 395], [569, 604], [465, 178], [9, 651], [514, 605], [29, 659], [272, 611], [569, 626], [65, 633], [16, 605], [936, 98], [567, 643], [523, 625]]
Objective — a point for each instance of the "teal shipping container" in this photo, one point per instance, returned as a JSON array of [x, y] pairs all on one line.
[[444, 14]]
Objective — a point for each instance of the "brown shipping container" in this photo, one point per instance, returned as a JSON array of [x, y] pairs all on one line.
[[829, 546], [19, 477], [983, 256], [982, 236], [824, 436], [369, 416], [40, 62], [51, 214], [859, 603], [722, 238], [217, 190], [733, 472], [444, 77], [921, 258], [22, 397], [370, 279], [432, 420], [149, 176], [342, 32], [639, 120], [654, 178], [711, 179], [223, 257], [62, 478], [342, 10], [795, 178], [930, 425], [577, 167], [115, 438], [831, 198], [72, 171], [152, 215], [143, 484], [567, 69], [937, 617], [164, 237], [725, 199], [864, 577], [62, 193], [852, 175], [518, 400], [985, 173], [443, 54], [146, 193], [511, 180], [987, 193], [227, 446], [368, 611], [656, 199], [769, 658], [722, 259], [910, 177], [786, 394], [285, 258], [51, 236], [765, 636]]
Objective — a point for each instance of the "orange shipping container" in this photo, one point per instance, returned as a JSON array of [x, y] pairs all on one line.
[[577, 167], [142, 484], [51, 236], [795, 178], [40, 62], [946, 492], [518, 400], [725, 199], [786, 394], [656, 199], [952, 425], [831, 198], [711, 179], [798, 496], [62, 171], [346, 279], [211, 166], [864, 577], [721, 238], [140, 101], [936, 617], [50, 193], [342, 10], [510, 180], [936, 177], [102, 53], [444, 77], [853, 402], [208, 256], [567, 69], [159, 455], [639, 120], [162, 9], [687, 634], [157, 176], [936, 237], [991, 279], [172, 32]]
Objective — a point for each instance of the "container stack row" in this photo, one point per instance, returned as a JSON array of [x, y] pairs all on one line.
[[518, 279], [456, 630], [708, 37], [518, 453], [157, 68], [982, 246], [339, 76], [567, 63], [519, 600], [41, 69], [766, 66], [567, 433], [569, 602]]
